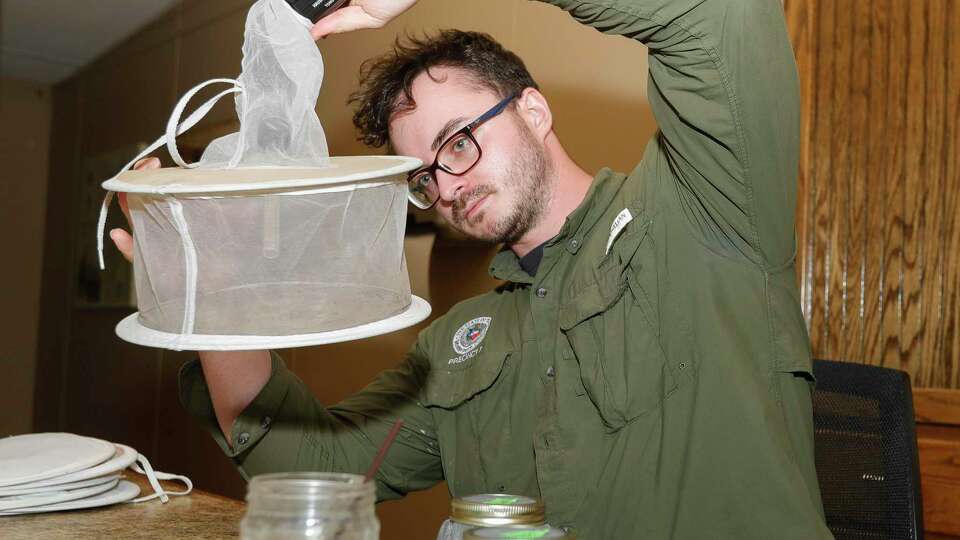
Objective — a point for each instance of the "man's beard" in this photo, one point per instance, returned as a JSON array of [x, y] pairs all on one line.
[[528, 175]]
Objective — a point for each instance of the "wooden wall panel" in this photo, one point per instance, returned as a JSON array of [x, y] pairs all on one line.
[[878, 204], [940, 482], [877, 216], [949, 280], [110, 389], [937, 406], [55, 293]]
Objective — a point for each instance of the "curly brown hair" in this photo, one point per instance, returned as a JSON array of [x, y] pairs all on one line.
[[386, 81]]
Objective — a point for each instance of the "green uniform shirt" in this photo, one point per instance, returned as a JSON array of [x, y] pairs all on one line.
[[653, 379]]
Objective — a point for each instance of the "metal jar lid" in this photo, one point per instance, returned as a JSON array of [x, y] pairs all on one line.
[[497, 509], [543, 531]]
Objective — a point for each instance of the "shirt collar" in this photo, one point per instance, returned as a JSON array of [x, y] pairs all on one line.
[[606, 184]]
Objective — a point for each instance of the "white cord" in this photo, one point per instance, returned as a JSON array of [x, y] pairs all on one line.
[[174, 128], [154, 476], [190, 266]]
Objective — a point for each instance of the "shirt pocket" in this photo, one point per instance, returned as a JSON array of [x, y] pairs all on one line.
[[450, 386], [611, 328]]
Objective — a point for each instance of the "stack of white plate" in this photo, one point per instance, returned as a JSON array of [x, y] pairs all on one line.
[[46, 472]]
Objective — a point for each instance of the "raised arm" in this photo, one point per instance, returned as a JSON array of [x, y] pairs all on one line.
[[723, 87], [725, 93]]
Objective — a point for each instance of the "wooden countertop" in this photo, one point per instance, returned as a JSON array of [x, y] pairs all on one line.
[[198, 515]]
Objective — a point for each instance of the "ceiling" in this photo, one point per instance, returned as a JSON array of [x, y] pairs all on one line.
[[46, 41]]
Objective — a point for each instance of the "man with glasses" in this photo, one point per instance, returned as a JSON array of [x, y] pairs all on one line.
[[645, 368]]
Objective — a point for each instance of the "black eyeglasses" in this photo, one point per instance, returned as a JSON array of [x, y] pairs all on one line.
[[457, 155]]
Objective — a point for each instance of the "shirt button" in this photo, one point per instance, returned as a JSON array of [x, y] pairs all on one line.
[[243, 438], [574, 244], [551, 372], [265, 423], [541, 292]]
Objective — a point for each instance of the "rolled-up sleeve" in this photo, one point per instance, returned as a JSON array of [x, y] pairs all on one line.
[[255, 421], [285, 428]]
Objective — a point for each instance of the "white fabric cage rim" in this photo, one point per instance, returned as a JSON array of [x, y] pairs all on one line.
[[131, 330], [374, 172]]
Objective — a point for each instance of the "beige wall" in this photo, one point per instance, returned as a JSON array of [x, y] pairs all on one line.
[[24, 144], [96, 384]]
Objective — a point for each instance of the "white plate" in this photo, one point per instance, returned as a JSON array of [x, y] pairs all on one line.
[[124, 491], [30, 489], [40, 456], [131, 330], [43, 499]]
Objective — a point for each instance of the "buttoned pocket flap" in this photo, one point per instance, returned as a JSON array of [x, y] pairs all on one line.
[[606, 322], [607, 280], [449, 387]]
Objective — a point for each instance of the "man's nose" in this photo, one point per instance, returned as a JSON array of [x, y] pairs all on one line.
[[449, 185]]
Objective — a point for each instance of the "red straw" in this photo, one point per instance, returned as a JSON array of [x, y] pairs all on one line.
[[382, 454], [373, 469]]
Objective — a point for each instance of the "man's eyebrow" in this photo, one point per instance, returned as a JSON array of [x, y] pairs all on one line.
[[445, 131]]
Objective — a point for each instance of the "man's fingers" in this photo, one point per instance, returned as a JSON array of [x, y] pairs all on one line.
[[142, 165], [343, 20], [147, 163], [124, 207], [120, 237], [124, 243]]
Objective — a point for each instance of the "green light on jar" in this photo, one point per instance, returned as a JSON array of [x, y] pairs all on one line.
[[503, 500], [505, 533], [535, 533]]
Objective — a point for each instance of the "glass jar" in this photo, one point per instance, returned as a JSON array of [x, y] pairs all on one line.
[[490, 510], [501, 533], [319, 506]]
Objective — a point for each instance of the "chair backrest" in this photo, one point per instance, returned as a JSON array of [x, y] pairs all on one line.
[[866, 451]]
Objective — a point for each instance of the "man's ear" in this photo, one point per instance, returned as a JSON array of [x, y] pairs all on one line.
[[534, 109]]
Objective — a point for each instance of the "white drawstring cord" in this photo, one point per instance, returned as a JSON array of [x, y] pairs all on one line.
[[153, 477], [169, 138]]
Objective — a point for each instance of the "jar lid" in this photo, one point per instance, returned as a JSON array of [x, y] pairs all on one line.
[[543, 531], [497, 509]]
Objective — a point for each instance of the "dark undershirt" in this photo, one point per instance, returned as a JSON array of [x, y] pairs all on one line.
[[531, 261]]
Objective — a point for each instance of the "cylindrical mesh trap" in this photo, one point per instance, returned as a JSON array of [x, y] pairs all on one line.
[[266, 241], [268, 253]]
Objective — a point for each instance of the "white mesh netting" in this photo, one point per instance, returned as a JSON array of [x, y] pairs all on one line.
[[282, 71], [335, 260]]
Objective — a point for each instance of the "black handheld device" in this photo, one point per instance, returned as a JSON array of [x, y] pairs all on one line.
[[315, 9]]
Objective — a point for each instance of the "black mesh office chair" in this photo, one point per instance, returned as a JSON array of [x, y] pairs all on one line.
[[866, 452]]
